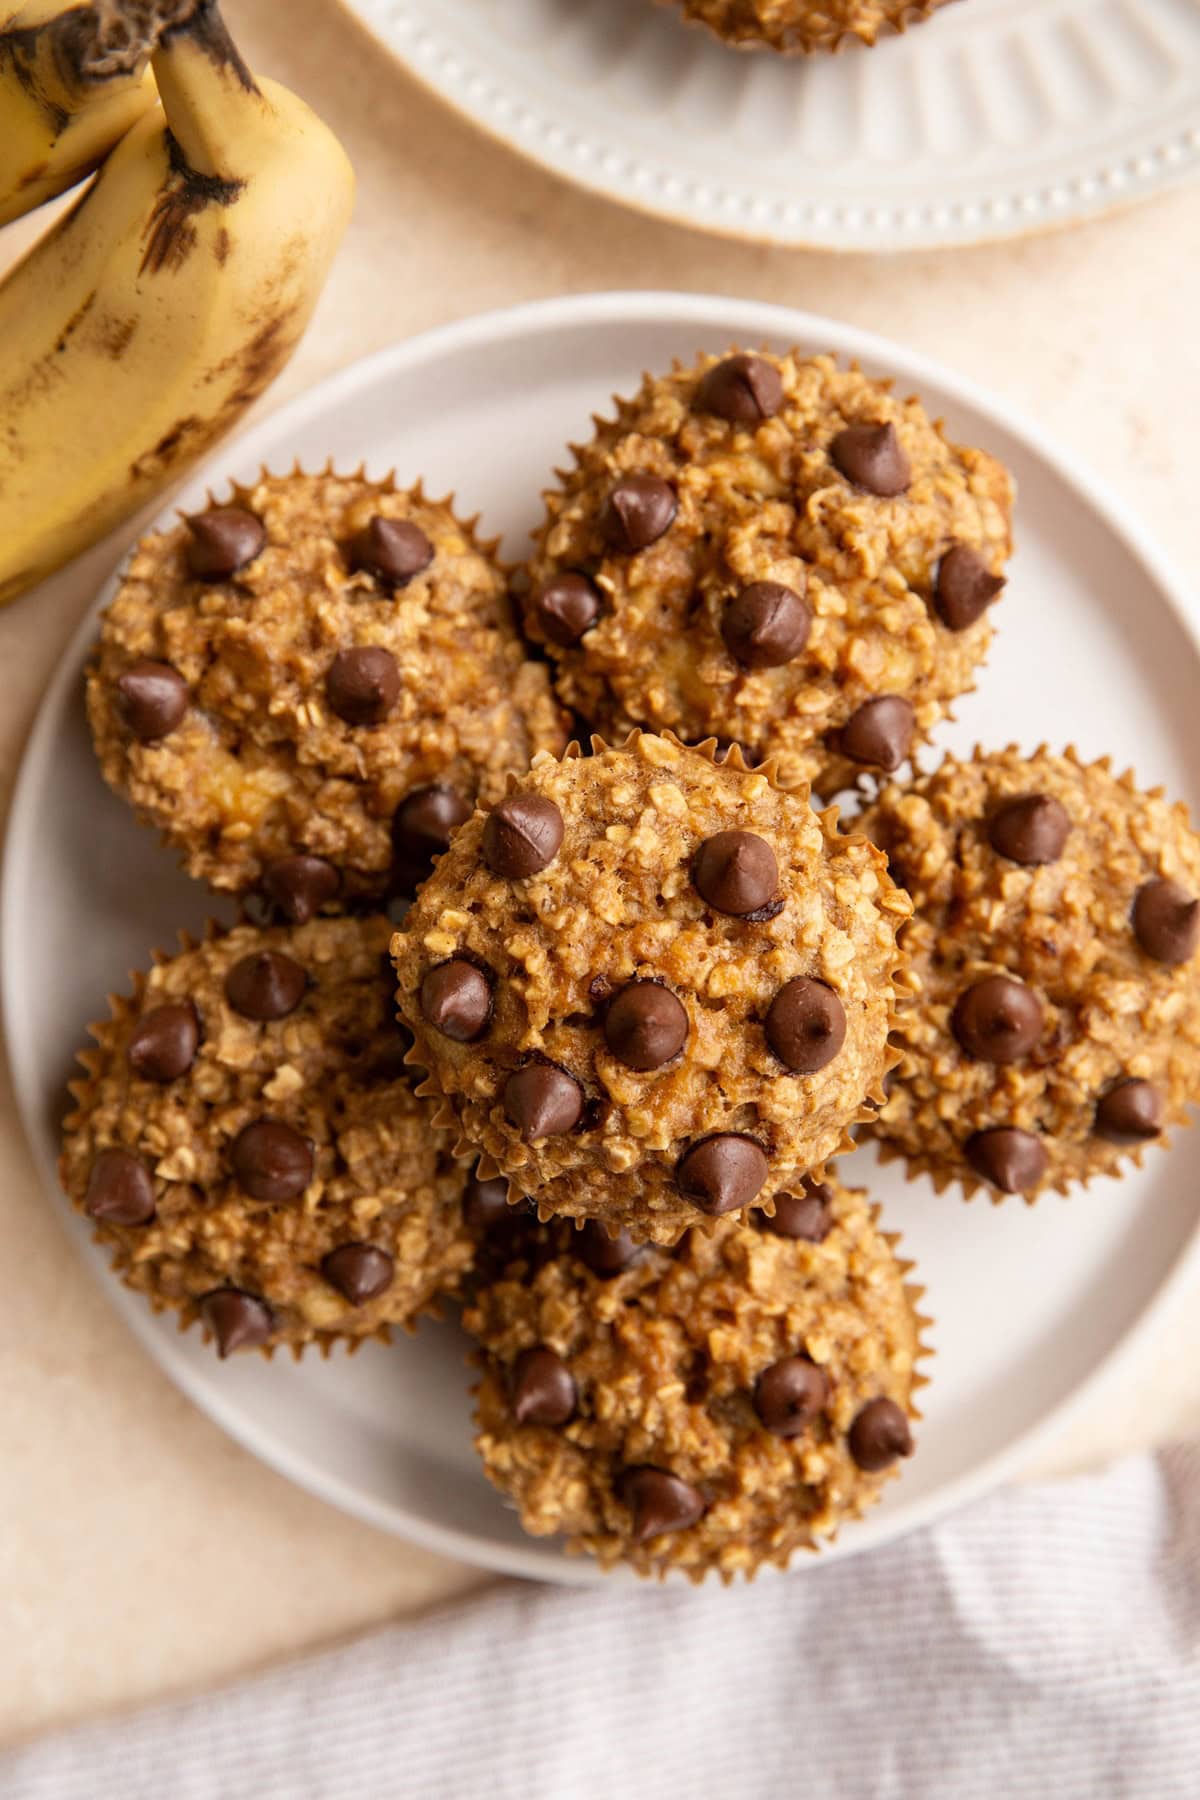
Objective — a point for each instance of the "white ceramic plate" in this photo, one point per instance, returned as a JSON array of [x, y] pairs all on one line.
[[1093, 646], [995, 118]]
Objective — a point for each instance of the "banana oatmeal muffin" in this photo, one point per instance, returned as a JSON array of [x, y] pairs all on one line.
[[713, 1408], [306, 689], [1054, 1030], [652, 986], [250, 1149], [776, 552], [797, 27]]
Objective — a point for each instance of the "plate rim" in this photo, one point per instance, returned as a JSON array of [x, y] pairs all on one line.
[[1111, 186], [705, 312]]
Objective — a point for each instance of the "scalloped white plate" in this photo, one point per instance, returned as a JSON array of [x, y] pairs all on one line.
[[992, 119], [1094, 644]]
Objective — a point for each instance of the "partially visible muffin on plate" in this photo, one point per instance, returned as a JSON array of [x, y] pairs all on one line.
[[1053, 1028], [777, 552], [306, 689], [799, 27], [709, 1409], [249, 1149]]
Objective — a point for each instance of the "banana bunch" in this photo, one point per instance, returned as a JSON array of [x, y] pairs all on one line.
[[155, 310]]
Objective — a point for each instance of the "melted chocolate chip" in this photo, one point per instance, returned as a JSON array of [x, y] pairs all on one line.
[[1130, 1113], [998, 1020], [736, 872], [456, 999], [1030, 830], [363, 684], [766, 625], [806, 1025], [645, 1025], [880, 733], [238, 1321], [359, 1272], [485, 1203], [1166, 921], [1013, 1161], [742, 389], [564, 608], [299, 886], [603, 1255], [271, 1161], [393, 550], [543, 1389], [659, 1502], [542, 1100], [639, 510], [165, 1041], [723, 1173], [152, 699], [265, 985], [879, 1436], [789, 1395], [872, 457], [223, 540], [807, 1215], [522, 836], [120, 1189], [965, 588]]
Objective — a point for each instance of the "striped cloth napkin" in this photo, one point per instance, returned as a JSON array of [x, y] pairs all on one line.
[[1044, 1645]]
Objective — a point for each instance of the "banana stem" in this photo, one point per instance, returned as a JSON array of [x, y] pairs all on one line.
[[204, 86]]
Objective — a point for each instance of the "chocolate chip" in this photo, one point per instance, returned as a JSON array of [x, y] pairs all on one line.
[[359, 1272], [1013, 1161], [394, 550], [152, 699], [1166, 921], [542, 1100], [265, 985], [271, 1161], [485, 1203], [1030, 830], [879, 1436], [659, 1502], [456, 999], [522, 836], [745, 390], [806, 1025], [120, 1189], [807, 1215], [300, 886], [363, 684], [789, 1395], [766, 625], [237, 1320], [223, 540], [998, 1020], [965, 587], [645, 1025], [880, 733], [424, 821], [164, 1042], [638, 511], [543, 1389], [723, 1173], [565, 607], [603, 1255], [872, 457], [736, 872], [1130, 1113]]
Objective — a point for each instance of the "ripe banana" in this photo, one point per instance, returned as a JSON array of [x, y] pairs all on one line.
[[72, 81], [143, 324]]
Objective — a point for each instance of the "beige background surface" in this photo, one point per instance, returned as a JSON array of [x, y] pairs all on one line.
[[141, 1552]]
